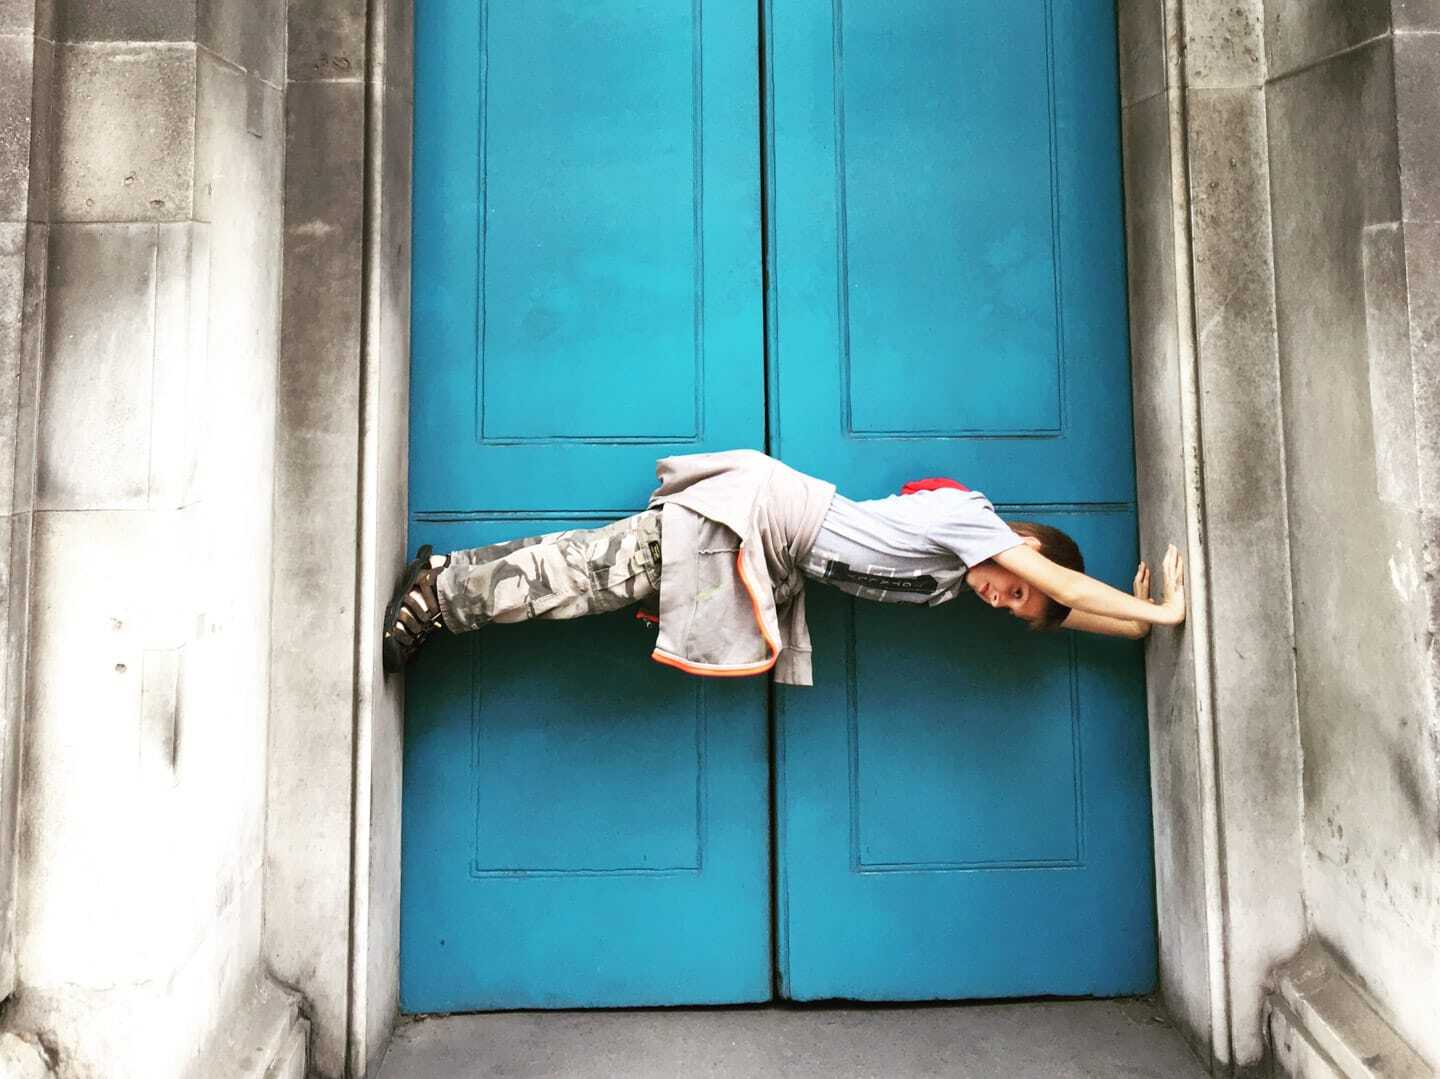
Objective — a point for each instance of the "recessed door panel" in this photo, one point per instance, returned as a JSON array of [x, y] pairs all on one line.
[[930, 132], [947, 246], [587, 240]]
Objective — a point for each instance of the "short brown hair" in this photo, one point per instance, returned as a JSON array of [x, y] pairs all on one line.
[[1060, 549]]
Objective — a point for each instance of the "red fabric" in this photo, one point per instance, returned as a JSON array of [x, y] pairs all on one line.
[[932, 484]]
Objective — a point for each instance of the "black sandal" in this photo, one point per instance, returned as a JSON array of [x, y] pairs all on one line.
[[414, 612]]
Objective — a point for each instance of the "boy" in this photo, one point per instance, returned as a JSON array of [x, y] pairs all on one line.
[[737, 533]]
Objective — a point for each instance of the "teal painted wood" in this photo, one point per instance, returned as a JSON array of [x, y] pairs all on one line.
[[587, 235], [582, 827], [963, 805], [948, 247]]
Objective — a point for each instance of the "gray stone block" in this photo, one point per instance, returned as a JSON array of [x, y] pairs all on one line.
[[27, 385], [12, 307], [1153, 342], [22, 253], [239, 340], [1142, 49], [1160, 483], [1300, 32], [1422, 258], [1337, 121], [399, 72], [324, 184], [94, 430], [180, 310], [14, 619], [115, 346], [1224, 44], [125, 20], [1362, 608], [128, 163], [394, 218], [248, 33], [42, 129], [16, 75], [1248, 545], [316, 523], [326, 40], [1417, 106], [1391, 378], [27, 17], [17, 17], [1416, 14]]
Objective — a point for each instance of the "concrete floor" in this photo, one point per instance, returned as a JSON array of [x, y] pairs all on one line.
[[1102, 1039]]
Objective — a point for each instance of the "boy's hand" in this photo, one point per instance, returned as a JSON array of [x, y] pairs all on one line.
[[1173, 578], [1141, 588], [1142, 583]]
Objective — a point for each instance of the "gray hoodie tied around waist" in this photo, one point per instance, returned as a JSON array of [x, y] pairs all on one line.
[[735, 527]]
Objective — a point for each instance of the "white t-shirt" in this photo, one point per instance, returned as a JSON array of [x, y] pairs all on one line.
[[907, 548]]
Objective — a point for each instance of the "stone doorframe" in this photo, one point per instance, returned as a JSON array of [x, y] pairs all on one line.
[[1228, 829], [332, 873]]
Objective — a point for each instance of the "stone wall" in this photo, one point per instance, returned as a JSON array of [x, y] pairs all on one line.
[[151, 313], [1282, 170], [1355, 167]]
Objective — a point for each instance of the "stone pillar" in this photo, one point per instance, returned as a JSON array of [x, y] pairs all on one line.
[[27, 52], [1211, 467], [333, 835], [1257, 756], [1281, 170], [153, 326]]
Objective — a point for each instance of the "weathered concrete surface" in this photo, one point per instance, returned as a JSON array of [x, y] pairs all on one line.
[[1368, 720], [125, 163], [386, 501], [1140, 49], [1313, 187], [1300, 32], [142, 823], [25, 83], [1224, 45], [1322, 1025], [1253, 674], [1170, 665], [333, 907], [312, 738], [126, 20], [1019, 1041]]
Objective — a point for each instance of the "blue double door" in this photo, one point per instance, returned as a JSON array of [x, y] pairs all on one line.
[[880, 241]]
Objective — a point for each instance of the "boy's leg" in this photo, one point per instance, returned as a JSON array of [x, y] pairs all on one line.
[[557, 575]]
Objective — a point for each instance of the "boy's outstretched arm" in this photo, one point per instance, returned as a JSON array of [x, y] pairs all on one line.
[[1094, 605]]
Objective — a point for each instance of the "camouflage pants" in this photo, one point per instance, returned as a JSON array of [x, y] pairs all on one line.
[[558, 575]]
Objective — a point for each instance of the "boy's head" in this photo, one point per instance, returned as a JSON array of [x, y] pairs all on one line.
[[996, 585]]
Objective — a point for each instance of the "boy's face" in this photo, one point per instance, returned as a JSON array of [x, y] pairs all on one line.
[[1001, 589]]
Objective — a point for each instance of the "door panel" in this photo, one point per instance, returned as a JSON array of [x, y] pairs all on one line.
[[963, 804], [947, 246], [587, 246], [582, 826]]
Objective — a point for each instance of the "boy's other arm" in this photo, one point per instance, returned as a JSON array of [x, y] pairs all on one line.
[[1086, 595], [1109, 627], [1116, 627]]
